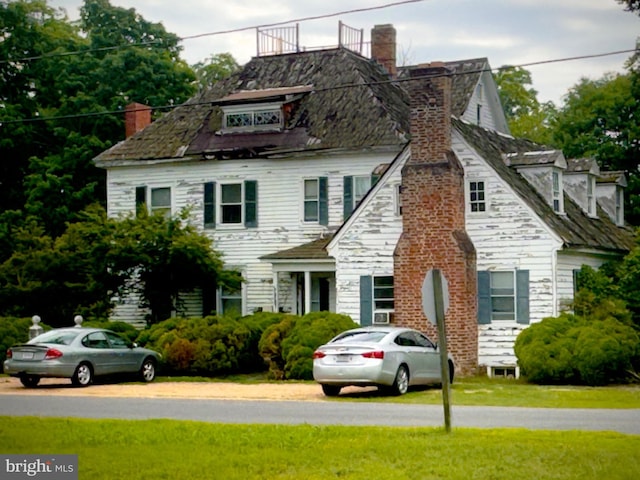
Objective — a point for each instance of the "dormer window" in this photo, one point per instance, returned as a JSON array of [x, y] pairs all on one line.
[[619, 207], [252, 117], [557, 192], [591, 199]]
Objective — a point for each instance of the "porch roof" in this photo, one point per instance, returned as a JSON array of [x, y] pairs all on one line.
[[314, 250]]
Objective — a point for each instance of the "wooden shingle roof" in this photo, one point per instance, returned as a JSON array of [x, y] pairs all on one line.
[[351, 105], [575, 228]]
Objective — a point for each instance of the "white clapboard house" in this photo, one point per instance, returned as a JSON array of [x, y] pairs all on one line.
[[307, 168]]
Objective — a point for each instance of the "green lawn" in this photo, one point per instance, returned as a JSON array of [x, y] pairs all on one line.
[[165, 449]]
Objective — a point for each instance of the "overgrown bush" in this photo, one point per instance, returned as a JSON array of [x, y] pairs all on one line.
[[575, 350], [288, 347], [210, 346]]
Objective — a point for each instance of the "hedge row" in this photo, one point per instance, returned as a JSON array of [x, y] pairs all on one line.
[[282, 344]]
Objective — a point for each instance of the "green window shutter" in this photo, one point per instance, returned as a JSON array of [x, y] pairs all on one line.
[[323, 201], [250, 203], [522, 296], [484, 297], [141, 199], [374, 179], [366, 300], [210, 205], [347, 196]]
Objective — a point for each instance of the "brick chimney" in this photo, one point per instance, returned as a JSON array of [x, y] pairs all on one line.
[[383, 47], [433, 216], [137, 116]]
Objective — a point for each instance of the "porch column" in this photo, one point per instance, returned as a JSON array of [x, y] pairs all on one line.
[[274, 300], [307, 291]]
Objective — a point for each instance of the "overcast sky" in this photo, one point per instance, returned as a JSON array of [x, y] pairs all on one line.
[[513, 32]]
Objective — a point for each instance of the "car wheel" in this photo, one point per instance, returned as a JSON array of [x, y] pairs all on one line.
[[83, 376], [451, 372], [30, 381], [401, 383], [148, 370], [331, 390]]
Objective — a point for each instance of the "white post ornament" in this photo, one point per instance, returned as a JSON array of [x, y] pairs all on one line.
[[35, 329]]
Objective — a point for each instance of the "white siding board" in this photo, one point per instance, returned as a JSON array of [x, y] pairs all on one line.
[[508, 236], [280, 205]]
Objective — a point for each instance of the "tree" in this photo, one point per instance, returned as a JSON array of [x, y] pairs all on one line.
[[94, 260], [599, 119], [166, 257], [215, 68], [85, 72], [527, 117], [631, 5]]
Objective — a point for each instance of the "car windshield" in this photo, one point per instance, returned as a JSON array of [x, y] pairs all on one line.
[[57, 337], [361, 337]]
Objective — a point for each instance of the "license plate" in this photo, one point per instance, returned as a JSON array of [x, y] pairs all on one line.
[[343, 358], [27, 355]]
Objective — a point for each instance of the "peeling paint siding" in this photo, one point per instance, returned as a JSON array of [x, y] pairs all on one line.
[[480, 97], [367, 248], [280, 206], [508, 236]]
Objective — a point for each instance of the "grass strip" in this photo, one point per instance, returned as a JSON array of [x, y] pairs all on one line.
[[167, 449]]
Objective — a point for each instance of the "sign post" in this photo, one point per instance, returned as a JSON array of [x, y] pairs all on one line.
[[435, 302]]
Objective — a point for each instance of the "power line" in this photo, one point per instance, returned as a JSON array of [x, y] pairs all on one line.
[[209, 34], [320, 90]]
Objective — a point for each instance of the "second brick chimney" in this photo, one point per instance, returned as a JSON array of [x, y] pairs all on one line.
[[433, 216], [137, 116], [383, 47]]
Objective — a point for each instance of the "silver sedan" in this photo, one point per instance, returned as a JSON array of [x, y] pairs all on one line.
[[392, 358], [79, 354]]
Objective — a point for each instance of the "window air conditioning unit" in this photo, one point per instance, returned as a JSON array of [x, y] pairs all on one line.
[[381, 318]]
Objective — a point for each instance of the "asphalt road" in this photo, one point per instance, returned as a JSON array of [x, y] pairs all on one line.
[[321, 413]]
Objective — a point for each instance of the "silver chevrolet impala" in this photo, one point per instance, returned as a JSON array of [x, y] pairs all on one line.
[[391, 358]]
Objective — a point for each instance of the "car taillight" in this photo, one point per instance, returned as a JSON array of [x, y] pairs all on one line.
[[319, 354], [9, 353], [377, 354], [52, 353]]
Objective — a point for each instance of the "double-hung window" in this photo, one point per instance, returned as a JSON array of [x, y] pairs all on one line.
[[477, 197], [376, 299], [354, 190], [230, 204], [503, 296], [230, 301], [383, 293], [315, 200], [159, 201]]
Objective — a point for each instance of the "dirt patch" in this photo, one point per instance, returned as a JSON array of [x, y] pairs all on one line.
[[259, 391]]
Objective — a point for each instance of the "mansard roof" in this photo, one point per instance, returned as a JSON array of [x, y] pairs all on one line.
[[338, 100], [575, 227]]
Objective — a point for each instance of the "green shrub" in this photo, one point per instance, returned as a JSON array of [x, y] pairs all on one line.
[[210, 346], [270, 345], [605, 351], [288, 347], [573, 350]]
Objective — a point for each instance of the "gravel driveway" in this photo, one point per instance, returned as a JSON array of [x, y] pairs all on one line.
[[218, 390]]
